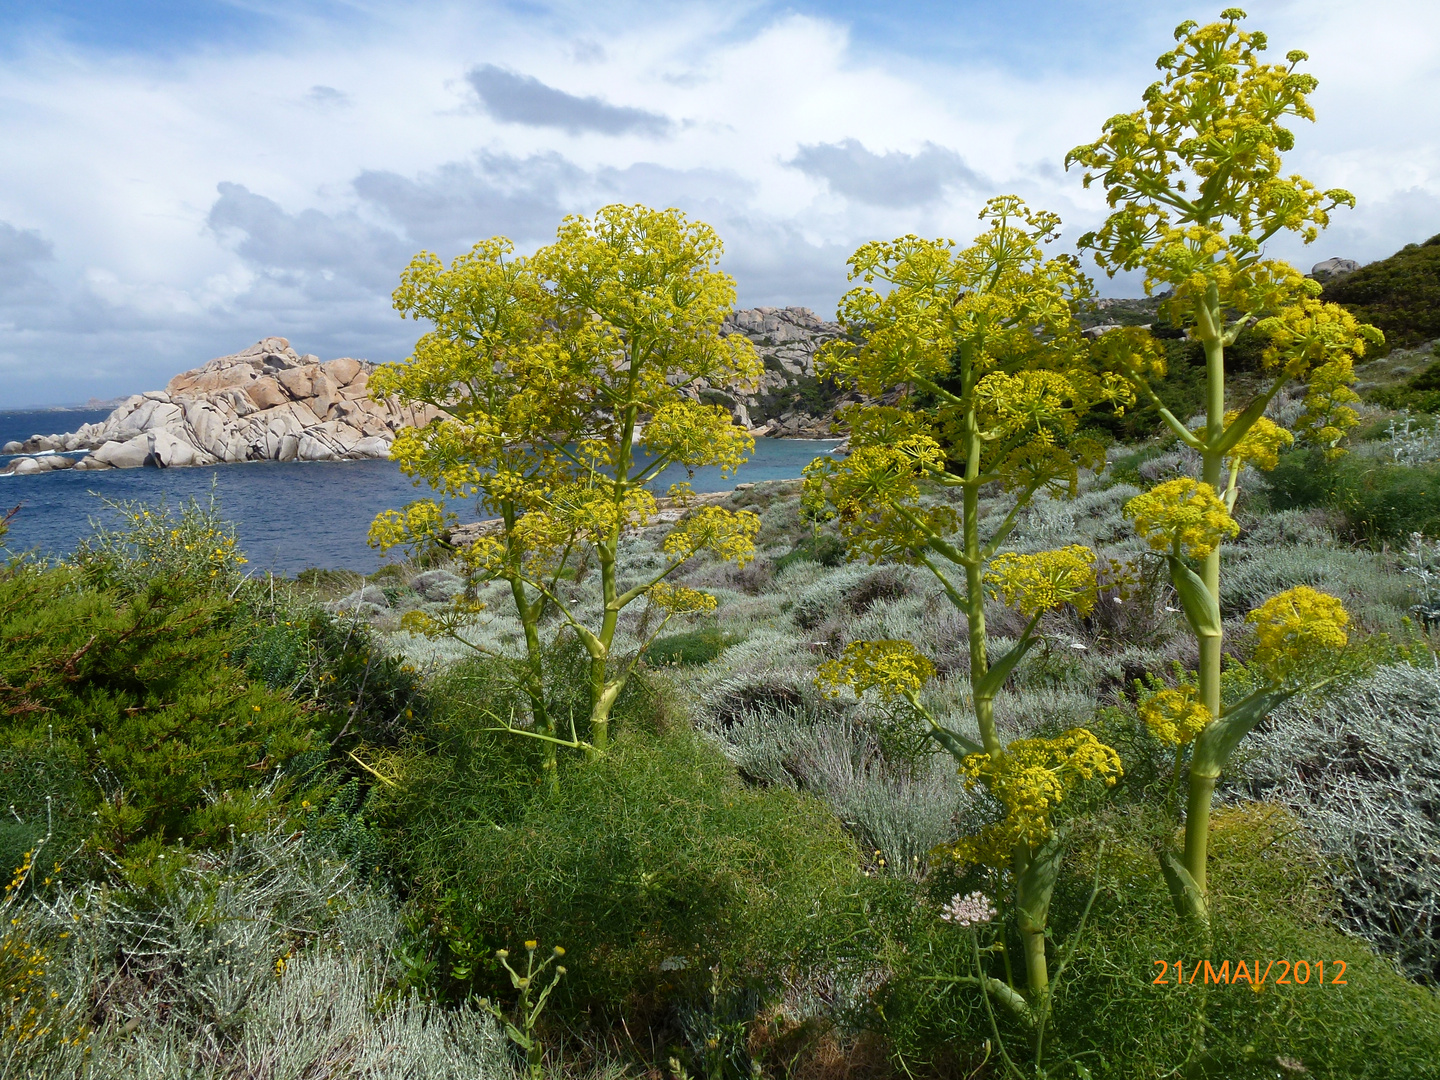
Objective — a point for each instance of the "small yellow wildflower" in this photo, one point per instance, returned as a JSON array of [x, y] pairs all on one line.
[[1295, 627], [1182, 516]]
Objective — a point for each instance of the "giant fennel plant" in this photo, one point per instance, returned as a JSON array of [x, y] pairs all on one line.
[[1196, 186], [567, 383], [990, 377]]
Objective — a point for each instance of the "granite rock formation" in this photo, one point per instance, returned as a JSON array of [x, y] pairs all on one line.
[[267, 403], [791, 401]]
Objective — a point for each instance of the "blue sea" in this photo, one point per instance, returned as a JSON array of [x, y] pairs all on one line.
[[288, 515]]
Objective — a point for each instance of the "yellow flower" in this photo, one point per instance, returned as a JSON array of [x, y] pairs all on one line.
[[1175, 716], [1030, 779], [1182, 515], [892, 667], [679, 600], [1261, 445], [1296, 627], [1035, 583]]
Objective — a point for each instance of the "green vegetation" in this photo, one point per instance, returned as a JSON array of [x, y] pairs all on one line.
[[322, 827], [1400, 295]]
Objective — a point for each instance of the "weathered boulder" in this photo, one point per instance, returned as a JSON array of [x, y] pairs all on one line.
[[12, 447], [1333, 269], [130, 454]]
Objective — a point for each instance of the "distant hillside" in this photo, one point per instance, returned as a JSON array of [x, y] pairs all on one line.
[[1400, 295]]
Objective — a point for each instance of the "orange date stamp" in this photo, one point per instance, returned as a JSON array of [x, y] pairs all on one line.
[[1249, 973]]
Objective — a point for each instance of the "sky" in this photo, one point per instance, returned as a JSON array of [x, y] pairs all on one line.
[[180, 178]]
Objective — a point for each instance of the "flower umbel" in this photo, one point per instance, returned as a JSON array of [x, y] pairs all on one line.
[[1030, 779], [1035, 583], [1175, 716], [1295, 628], [1182, 516], [892, 667], [968, 911]]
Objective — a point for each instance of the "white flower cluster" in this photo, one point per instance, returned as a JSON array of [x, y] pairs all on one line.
[[967, 911]]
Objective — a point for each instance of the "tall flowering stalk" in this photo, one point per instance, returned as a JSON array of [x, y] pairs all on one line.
[[979, 350], [566, 381], [1195, 182]]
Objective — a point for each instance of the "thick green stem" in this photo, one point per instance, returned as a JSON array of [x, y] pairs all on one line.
[[1197, 815], [1037, 972], [534, 659], [1197, 827]]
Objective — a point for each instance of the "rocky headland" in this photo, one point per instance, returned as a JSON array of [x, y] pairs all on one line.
[[269, 403], [265, 403]]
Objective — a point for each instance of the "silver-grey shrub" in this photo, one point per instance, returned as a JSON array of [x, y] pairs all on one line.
[[1362, 770], [269, 959]]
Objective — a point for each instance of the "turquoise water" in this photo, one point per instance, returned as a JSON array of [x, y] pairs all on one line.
[[288, 515]]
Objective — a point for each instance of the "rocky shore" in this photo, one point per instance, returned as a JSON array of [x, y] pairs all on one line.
[[269, 403], [266, 403]]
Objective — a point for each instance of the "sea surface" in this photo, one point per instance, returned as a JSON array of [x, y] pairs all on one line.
[[289, 515]]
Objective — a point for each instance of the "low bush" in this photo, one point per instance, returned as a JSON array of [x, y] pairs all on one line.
[[1379, 502], [823, 548], [651, 866], [120, 713], [691, 647]]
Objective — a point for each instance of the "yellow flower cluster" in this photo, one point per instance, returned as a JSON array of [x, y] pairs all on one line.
[[1029, 780], [697, 435], [1182, 515], [1175, 715], [727, 534], [421, 521], [679, 600], [894, 668], [1035, 583], [1295, 628], [1261, 445]]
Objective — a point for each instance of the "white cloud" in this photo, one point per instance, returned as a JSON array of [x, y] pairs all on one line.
[[171, 208]]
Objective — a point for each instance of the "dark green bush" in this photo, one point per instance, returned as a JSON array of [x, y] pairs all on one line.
[[127, 711], [1400, 295], [1387, 502], [335, 665], [692, 647], [1379, 501], [651, 865], [824, 548]]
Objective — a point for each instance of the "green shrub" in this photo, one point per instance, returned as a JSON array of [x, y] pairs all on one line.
[[824, 548], [692, 647], [336, 666], [651, 865], [1379, 501], [126, 711], [1266, 905], [1400, 295], [1388, 502], [194, 547], [1301, 479]]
